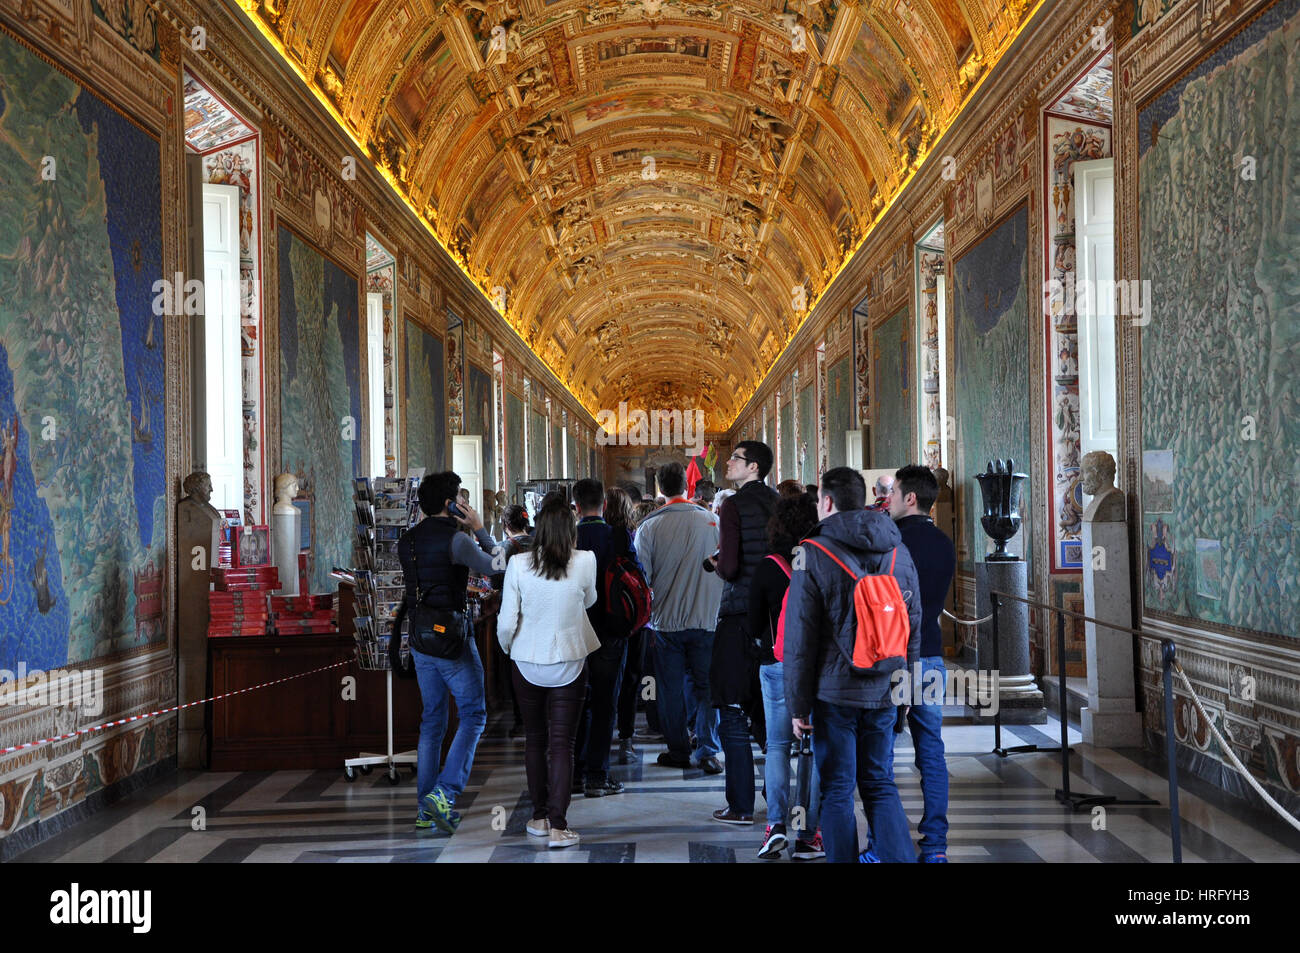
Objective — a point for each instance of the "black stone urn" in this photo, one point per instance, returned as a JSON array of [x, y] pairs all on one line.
[[1001, 488]]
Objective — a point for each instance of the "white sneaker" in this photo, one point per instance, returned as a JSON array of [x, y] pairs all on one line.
[[539, 828], [563, 838]]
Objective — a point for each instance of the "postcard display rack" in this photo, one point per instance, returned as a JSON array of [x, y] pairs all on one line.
[[386, 508]]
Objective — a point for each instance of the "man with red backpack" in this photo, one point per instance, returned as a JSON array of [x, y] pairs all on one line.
[[852, 618]]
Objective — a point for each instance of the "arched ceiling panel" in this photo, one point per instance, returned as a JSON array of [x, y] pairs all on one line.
[[647, 179]]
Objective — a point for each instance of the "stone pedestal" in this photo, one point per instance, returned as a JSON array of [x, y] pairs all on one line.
[[1019, 698], [1111, 719], [198, 533], [286, 539]]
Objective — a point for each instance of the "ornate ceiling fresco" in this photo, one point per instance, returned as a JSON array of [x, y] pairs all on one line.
[[651, 182]]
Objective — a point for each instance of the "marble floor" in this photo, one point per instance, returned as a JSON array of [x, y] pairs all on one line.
[[1000, 810]]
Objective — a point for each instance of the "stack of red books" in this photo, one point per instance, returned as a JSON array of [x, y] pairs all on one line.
[[303, 615], [245, 578], [242, 612]]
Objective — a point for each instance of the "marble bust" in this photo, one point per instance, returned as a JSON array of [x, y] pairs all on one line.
[[198, 493], [286, 488], [1098, 481]]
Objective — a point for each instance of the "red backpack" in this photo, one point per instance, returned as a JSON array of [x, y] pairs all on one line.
[[627, 597], [883, 625], [778, 641]]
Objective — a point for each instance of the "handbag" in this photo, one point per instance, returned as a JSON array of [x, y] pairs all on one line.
[[434, 630], [401, 668]]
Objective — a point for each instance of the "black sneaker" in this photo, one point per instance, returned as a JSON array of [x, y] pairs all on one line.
[[774, 842], [626, 753], [604, 788], [668, 760]]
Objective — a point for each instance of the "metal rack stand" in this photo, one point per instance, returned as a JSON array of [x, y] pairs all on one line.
[[373, 657]]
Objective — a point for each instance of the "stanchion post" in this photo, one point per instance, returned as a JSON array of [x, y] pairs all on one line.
[[1065, 739], [997, 715], [1171, 753]]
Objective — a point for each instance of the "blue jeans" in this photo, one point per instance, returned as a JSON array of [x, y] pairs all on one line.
[[856, 745], [776, 771], [926, 725], [676, 653], [440, 678], [733, 728]]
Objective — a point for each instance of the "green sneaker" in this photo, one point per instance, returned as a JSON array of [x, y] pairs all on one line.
[[423, 822], [443, 815]]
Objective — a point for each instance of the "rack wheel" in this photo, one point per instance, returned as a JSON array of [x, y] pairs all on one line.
[[349, 773], [367, 768], [393, 777]]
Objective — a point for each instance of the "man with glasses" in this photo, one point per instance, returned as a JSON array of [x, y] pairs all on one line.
[[733, 674]]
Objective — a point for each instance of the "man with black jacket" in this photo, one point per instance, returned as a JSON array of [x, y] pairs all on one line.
[[436, 562], [852, 715], [910, 498], [605, 665], [733, 674]]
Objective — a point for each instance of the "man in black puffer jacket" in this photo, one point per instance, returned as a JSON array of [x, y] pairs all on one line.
[[852, 715], [733, 672]]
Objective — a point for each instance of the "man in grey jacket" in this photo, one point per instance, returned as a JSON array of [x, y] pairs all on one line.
[[672, 543], [851, 715]]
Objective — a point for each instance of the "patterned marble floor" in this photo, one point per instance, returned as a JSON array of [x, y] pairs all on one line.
[[1001, 810]]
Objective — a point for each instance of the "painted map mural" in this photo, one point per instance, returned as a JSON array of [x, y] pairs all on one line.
[[514, 444], [320, 395], [426, 417], [1218, 244], [991, 319], [807, 451], [83, 430], [839, 409], [895, 414], [785, 423], [536, 446], [478, 418]]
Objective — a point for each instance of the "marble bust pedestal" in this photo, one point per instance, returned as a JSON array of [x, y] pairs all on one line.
[[1111, 719]]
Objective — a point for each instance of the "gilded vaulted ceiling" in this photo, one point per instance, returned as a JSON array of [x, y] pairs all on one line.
[[650, 182]]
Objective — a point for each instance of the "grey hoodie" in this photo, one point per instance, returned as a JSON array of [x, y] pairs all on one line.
[[672, 544]]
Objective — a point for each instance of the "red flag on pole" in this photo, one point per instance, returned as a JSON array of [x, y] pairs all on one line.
[[693, 476]]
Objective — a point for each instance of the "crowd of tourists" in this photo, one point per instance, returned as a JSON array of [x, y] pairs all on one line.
[[739, 618]]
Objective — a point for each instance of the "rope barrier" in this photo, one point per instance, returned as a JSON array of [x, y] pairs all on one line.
[[1227, 749], [164, 711], [967, 621]]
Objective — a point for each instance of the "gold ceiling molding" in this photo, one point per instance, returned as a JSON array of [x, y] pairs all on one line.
[[663, 188]]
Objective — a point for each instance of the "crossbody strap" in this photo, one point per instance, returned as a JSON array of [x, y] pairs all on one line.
[[780, 562]]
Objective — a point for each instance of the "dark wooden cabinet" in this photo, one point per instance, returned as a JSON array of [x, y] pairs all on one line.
[[305, 722]]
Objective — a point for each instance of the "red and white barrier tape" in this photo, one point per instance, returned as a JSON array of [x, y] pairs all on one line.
[[165, 711]]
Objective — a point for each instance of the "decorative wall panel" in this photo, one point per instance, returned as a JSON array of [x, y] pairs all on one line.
[[320, 395]]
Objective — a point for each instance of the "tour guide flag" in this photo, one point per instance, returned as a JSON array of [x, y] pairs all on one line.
[[692, 478]]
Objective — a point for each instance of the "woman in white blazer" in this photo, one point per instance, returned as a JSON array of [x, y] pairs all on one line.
[[544, 629]]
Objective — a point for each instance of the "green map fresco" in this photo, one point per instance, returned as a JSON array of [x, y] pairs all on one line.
[[992, 400], [1221, 354], [894, 411]]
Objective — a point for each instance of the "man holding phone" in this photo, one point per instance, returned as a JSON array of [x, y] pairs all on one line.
[[436, 561]]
